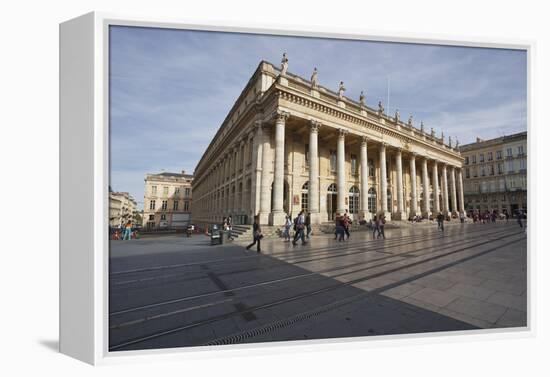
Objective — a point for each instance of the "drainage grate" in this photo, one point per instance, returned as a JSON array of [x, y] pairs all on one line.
[[237, 338]]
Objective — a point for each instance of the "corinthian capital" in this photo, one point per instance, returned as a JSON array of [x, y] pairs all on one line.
[[314, 125], [342, 132], [281, 116]]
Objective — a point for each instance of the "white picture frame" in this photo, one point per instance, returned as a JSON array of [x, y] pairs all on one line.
[[84, 146]]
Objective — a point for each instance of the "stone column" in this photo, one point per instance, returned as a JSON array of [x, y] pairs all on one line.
[[313, 192], [265, 189], [414, 198], [401, 215], [435, 178], [453, 190], [341, 173], [255, 171], [425, 188], [278, 214], [383, 181], [460, 192], [445, 190], [364, 213]]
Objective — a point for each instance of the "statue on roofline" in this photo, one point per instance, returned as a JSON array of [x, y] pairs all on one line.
[[380, 108], [314, 80], [422, 126], [410, 121], [397, 116], [341, 90], [432, 132], [362, 99], [284, 64]]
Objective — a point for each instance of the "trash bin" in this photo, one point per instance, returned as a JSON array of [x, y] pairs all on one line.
[[216, 236]]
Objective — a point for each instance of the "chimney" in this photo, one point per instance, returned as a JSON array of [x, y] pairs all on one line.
[[478, 140]]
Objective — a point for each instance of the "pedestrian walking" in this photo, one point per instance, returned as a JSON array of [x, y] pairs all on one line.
[[375, 226], [520, 219], [300, 229], [440, 220], [507, 216], [229, 227], [462, 217], [288, 225], [346, 224], [382, 222], [339, 228], [256, 234], [127, 231], [308, 225]]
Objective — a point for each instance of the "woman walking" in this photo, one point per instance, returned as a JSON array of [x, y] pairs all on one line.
[[256, 234], [288, 225]]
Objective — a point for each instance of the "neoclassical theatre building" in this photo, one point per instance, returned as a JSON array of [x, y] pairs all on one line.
[[290, 144]]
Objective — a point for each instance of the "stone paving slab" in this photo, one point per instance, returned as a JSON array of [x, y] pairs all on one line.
[[435, 297], [471, 291], [477, 309], [509, 301]]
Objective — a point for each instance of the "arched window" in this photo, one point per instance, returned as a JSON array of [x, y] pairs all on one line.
[[389, 201], [354, 200], [332, 189], [305, 197], [372, 200]]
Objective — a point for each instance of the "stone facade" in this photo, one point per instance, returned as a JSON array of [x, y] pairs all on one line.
[[167, 202], [122, 208], [495, 174], [290, 144]]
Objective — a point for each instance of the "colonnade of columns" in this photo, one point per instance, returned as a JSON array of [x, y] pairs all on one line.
[[268, 204]]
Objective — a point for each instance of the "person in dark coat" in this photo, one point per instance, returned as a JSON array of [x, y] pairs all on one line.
[[256, 234]]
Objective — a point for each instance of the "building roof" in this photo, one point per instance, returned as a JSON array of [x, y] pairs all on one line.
[[171, 175], [498, 140]]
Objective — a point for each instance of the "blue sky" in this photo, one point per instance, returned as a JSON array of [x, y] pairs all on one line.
[[170, 90]]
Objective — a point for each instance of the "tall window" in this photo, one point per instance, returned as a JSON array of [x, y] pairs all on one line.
[[332, 161], [306, 152], [520, 150], [372, 200], [490, 156], [154, 190], [510, 166], [305, 197], [163, 217], [509, 152], [176, 190], [186, 205], [354, 200], [353, 159], [481, 157], [371, 168], [175, 205], [483, 171], [165, 190], [491, 169], [187, 192], [164, 205], [499, 155], [466, 160], [467, 172], [152, 204], [500, 168], [523, 164], [473, 159], [151, 217]]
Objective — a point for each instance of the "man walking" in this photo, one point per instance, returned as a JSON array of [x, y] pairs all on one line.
[[308, 225], [256, 234], [300, 228], [440, 220]]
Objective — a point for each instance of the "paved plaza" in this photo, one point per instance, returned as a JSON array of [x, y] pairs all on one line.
[[176, 291]]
